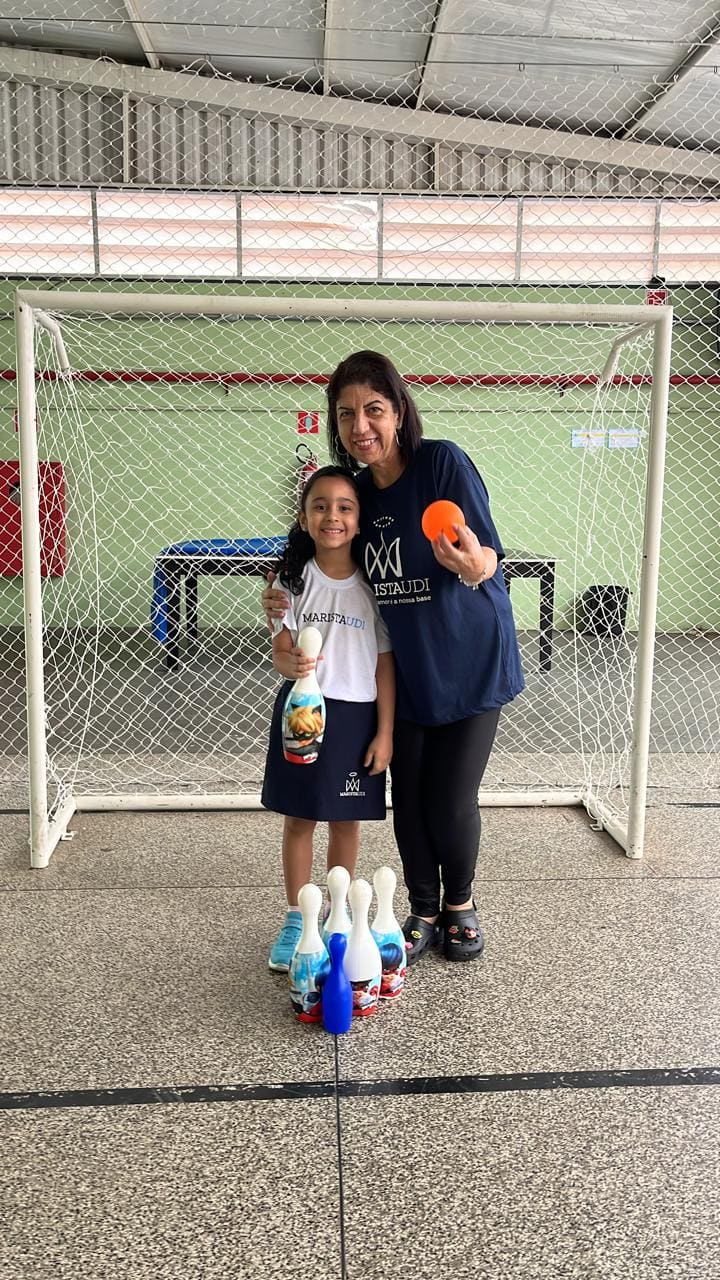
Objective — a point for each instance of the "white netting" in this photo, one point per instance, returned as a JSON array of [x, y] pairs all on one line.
[[181, 435], [408, 151]]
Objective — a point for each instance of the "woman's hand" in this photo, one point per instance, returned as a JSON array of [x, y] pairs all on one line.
[[379, 753], [469, 560], [274, 601]]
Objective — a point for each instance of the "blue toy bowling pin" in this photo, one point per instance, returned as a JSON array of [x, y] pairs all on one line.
[[337, 995]]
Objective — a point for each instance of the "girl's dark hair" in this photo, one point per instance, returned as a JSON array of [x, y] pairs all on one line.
[[300, 547], [376, 371]]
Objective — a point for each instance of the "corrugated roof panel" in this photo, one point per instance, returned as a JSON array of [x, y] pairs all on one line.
[[403, 17], [377, 48], [238, 151], [514, 82], [286, 56], [561, 64], [273, 40], [670, 20], [83, 136], [309, 143], [689, 111], [272, 14], [113, 36]]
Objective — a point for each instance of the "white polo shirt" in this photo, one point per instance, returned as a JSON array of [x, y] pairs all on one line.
[[346, 615]]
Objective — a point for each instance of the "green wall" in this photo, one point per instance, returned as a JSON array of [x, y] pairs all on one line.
[[171, 462]]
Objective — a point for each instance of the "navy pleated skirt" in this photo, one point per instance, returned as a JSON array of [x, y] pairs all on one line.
[[337, 787]]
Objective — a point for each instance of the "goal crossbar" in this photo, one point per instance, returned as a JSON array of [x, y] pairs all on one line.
[[343, 308]]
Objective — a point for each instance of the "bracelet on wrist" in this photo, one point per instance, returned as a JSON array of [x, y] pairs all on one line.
[[473, 586]]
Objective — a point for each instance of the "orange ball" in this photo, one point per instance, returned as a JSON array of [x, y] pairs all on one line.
[[439, 518]]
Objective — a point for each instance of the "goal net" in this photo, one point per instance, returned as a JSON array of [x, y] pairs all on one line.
[[167, 433]]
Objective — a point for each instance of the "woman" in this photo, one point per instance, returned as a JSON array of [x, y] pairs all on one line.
[[447, 609]]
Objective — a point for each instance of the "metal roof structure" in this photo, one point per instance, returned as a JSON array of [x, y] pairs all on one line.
[[459, 91]]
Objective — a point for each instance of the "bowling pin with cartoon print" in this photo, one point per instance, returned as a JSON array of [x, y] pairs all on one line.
[[303, 715], [363, 964], [310, 964], [388, 935]]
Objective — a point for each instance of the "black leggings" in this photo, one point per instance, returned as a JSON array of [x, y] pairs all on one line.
[[436, 772]]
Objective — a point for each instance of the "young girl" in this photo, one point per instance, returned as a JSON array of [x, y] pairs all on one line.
[[357, 678]]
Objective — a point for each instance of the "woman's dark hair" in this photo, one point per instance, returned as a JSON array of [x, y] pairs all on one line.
[[300, 547], [371, 369]]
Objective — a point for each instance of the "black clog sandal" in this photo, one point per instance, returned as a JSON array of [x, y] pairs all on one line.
[[420, 935], [463, 936]]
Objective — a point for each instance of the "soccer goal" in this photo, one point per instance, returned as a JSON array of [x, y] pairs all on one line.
[[159, 445]]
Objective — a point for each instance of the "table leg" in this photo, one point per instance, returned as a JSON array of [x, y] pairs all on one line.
[[191, 607], [172, 613], [547, 608]]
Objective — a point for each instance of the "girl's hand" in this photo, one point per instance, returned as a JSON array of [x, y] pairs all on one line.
[[274, 601], [293, 663], [469, 560], [301, 664], [378, 754]]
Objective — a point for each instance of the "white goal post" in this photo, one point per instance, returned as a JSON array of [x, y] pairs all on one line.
[[64, 619]]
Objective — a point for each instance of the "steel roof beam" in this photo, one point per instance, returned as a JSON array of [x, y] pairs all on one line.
[[328, 45], [429, 53], [141, 34]]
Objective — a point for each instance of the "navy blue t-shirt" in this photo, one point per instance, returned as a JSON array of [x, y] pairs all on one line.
[[456, 651]]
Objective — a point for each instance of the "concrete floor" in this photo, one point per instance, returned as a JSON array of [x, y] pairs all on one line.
[[550, 1111]]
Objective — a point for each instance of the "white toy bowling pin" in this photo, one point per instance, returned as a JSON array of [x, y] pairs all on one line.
[[363, 964], [338, 883], [389, 936], [310, 963], [303, 716]]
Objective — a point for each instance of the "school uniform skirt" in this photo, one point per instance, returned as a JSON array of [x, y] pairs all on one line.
[[336, 787]]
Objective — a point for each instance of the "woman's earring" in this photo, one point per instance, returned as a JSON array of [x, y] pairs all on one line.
[[398, 436]]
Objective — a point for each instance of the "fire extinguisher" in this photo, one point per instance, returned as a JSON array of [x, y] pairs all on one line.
[[308, 465]]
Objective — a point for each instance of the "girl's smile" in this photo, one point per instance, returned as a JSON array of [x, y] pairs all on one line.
[[331, 515]]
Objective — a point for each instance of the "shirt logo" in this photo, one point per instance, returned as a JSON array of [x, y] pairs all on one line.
[[383, 566], [379, 561]]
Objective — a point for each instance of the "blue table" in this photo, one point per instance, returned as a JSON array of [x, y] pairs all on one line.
[[183, 563]]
